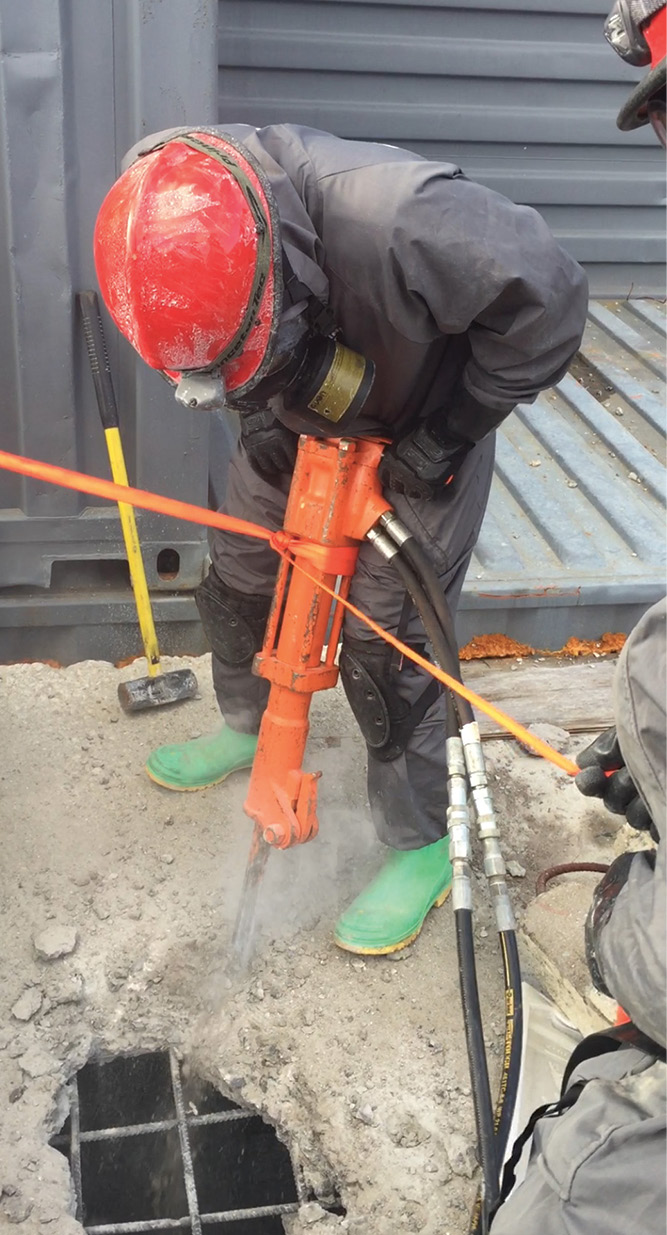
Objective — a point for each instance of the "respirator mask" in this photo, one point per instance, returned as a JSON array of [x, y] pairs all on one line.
[[315, 384]]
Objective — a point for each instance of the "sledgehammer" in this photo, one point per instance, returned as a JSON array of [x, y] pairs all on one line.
[[158, 688]]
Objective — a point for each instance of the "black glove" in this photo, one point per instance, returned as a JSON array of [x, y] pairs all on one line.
[[271, 447], [604, 775], [423, 463], [604, 899]]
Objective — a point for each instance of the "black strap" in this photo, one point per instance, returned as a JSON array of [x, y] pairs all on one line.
[[549, 1111], [607, 1041], [404, 729], [426, 700], [395, 657], [619, 1037], [263, 261], [433, 688], [319, 314]]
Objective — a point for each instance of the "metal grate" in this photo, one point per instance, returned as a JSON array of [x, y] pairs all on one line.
[[150, 1151]]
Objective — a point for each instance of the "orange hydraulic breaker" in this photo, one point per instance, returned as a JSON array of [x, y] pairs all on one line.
[[335, 498]]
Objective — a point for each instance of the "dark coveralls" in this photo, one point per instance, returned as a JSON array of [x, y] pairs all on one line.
[[438, 281]]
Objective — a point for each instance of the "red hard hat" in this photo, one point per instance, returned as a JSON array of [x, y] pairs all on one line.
[[185, 250]]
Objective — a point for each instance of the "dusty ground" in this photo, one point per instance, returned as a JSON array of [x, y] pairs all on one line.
[[360, 1064]]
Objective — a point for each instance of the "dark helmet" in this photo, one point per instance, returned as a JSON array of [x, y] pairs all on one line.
[[637, 30]]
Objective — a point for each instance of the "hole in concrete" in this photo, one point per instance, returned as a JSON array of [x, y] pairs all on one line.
[[150, 1149], [132, 1089], [168, 563]]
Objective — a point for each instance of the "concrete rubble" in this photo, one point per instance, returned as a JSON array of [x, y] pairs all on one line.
[[118, 900]]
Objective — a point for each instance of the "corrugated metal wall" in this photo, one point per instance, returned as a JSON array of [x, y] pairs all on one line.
[[522, 93], [79, 84]]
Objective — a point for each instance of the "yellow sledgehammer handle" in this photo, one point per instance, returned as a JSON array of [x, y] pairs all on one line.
[[106, 402], [134, 556]]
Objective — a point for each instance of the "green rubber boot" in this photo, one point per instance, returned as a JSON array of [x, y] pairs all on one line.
[[202, 761], [391, 911]]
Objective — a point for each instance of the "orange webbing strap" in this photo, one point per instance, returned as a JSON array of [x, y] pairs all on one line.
[[318, 556], [132, 497], [501, 718]]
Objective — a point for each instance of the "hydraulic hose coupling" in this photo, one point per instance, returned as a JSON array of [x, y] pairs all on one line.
[[458, 825], [487, 826], [386, 547], [392, 524]]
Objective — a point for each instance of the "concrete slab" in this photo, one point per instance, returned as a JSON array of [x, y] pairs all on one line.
[[360, 1063]]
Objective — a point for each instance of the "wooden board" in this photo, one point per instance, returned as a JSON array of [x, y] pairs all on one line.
[[575, 696]]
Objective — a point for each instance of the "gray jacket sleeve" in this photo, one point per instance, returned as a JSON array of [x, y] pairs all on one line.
[[442, 254], [632, 949]]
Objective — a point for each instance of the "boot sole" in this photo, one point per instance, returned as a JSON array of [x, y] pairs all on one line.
[[164, 784], [404, 943]]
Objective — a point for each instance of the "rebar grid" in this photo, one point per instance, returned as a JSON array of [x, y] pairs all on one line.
[[75, 1143], [194, 1221], [161, 1125], [186, 1152], [176, 1224]]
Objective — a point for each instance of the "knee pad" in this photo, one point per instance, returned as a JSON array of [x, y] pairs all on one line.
[[387, 721], [233, 622]]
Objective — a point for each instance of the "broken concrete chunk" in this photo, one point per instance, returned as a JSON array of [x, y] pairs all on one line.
[[364, 1114], [405, 1130], [311, 1217], [516, 870], [554, 922], [55, 941], [461, 1154], [71, 991], [15, 1207], [38, 1062], [27, 1004], [311, 1213]]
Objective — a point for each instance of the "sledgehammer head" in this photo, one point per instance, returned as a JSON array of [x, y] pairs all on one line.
[[165, 688]]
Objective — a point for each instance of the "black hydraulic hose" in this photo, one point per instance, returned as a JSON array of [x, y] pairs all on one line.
[[425, 571], [509, 1081], [429, 583], [479, 1072], [472, 1017], [430, 622]]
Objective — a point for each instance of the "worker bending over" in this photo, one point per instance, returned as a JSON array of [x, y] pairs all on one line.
[[339, 288]]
